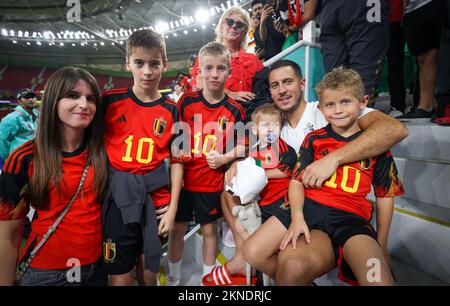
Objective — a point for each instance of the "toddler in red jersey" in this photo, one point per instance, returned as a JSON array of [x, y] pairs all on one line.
[[278, 159], [335, 219]]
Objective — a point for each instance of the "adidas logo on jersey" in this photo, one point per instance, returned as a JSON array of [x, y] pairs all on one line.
[[121, 119]]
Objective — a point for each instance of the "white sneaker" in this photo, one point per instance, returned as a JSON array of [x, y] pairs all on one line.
[[395, 113], [171, 281]]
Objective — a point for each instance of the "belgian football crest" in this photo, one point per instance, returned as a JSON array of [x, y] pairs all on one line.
[[159, 126], [222, 123], [268, 158], [109, 251], [364, 164]]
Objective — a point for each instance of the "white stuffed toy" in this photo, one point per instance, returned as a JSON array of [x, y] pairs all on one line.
[[249, 181], [250, 216]]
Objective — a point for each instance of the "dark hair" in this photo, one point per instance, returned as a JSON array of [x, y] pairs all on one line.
[[47, 154], [147, 39], [287, 63], [254, 2]]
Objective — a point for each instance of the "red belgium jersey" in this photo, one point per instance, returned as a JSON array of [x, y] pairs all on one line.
[[79, 235], [348, 187], [211, 128], [138, 135], [278, 155]]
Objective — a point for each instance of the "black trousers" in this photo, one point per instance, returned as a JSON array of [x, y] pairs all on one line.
[[395, 58], [349, 38]]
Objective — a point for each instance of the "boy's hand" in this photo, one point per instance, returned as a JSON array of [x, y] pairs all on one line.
[[241, 96], [167, 220], [319, 171], [231, 172], [298, 226], [215, 160]]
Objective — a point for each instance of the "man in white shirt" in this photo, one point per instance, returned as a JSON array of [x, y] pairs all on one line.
[[381, 132]]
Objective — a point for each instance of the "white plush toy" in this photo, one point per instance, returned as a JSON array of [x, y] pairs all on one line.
[[250, 179], [250, 216]]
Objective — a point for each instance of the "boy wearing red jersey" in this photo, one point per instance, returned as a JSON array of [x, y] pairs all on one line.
[[211, 116], [138, 138], [335, 219]]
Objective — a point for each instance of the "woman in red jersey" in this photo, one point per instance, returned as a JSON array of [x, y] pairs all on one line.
[[62, 170]]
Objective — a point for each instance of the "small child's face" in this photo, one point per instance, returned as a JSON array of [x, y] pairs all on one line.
[[340, 107], [267, 128], [214, 70], [147, 66]]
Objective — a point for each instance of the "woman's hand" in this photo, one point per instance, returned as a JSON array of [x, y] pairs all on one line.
[[241, 96]]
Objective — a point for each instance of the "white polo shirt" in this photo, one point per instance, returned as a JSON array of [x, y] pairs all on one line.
[[312, 119]]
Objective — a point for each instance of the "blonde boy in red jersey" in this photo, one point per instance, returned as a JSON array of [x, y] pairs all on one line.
[[211, 115], [335, 219]]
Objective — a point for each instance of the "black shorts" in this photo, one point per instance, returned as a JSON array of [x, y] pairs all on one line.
[[340, 227], [122, 244], [204, 206], [280, 209], [422, 27]]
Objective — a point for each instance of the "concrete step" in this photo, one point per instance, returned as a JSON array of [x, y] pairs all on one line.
[[420, 236], [426, 141], [425, 181]]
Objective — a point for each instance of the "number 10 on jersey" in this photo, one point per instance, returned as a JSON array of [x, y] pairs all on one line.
[[143, 142]]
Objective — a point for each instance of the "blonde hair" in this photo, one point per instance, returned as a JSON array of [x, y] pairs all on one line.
[[340, 78], [215, 49], [267, 109], [227, 13]]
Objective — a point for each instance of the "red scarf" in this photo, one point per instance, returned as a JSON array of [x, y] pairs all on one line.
[[298, 15]]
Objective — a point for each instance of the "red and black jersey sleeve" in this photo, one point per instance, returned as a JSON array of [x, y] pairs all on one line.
[[236, 135], [288, 158], [386, 181], [305, 156], [14, 181]]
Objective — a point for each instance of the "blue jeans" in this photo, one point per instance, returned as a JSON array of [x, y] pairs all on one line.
[[90, 275]]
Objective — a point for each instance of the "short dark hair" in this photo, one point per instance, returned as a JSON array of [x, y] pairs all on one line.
[[254, 2], [287, 63], [148, 39]]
